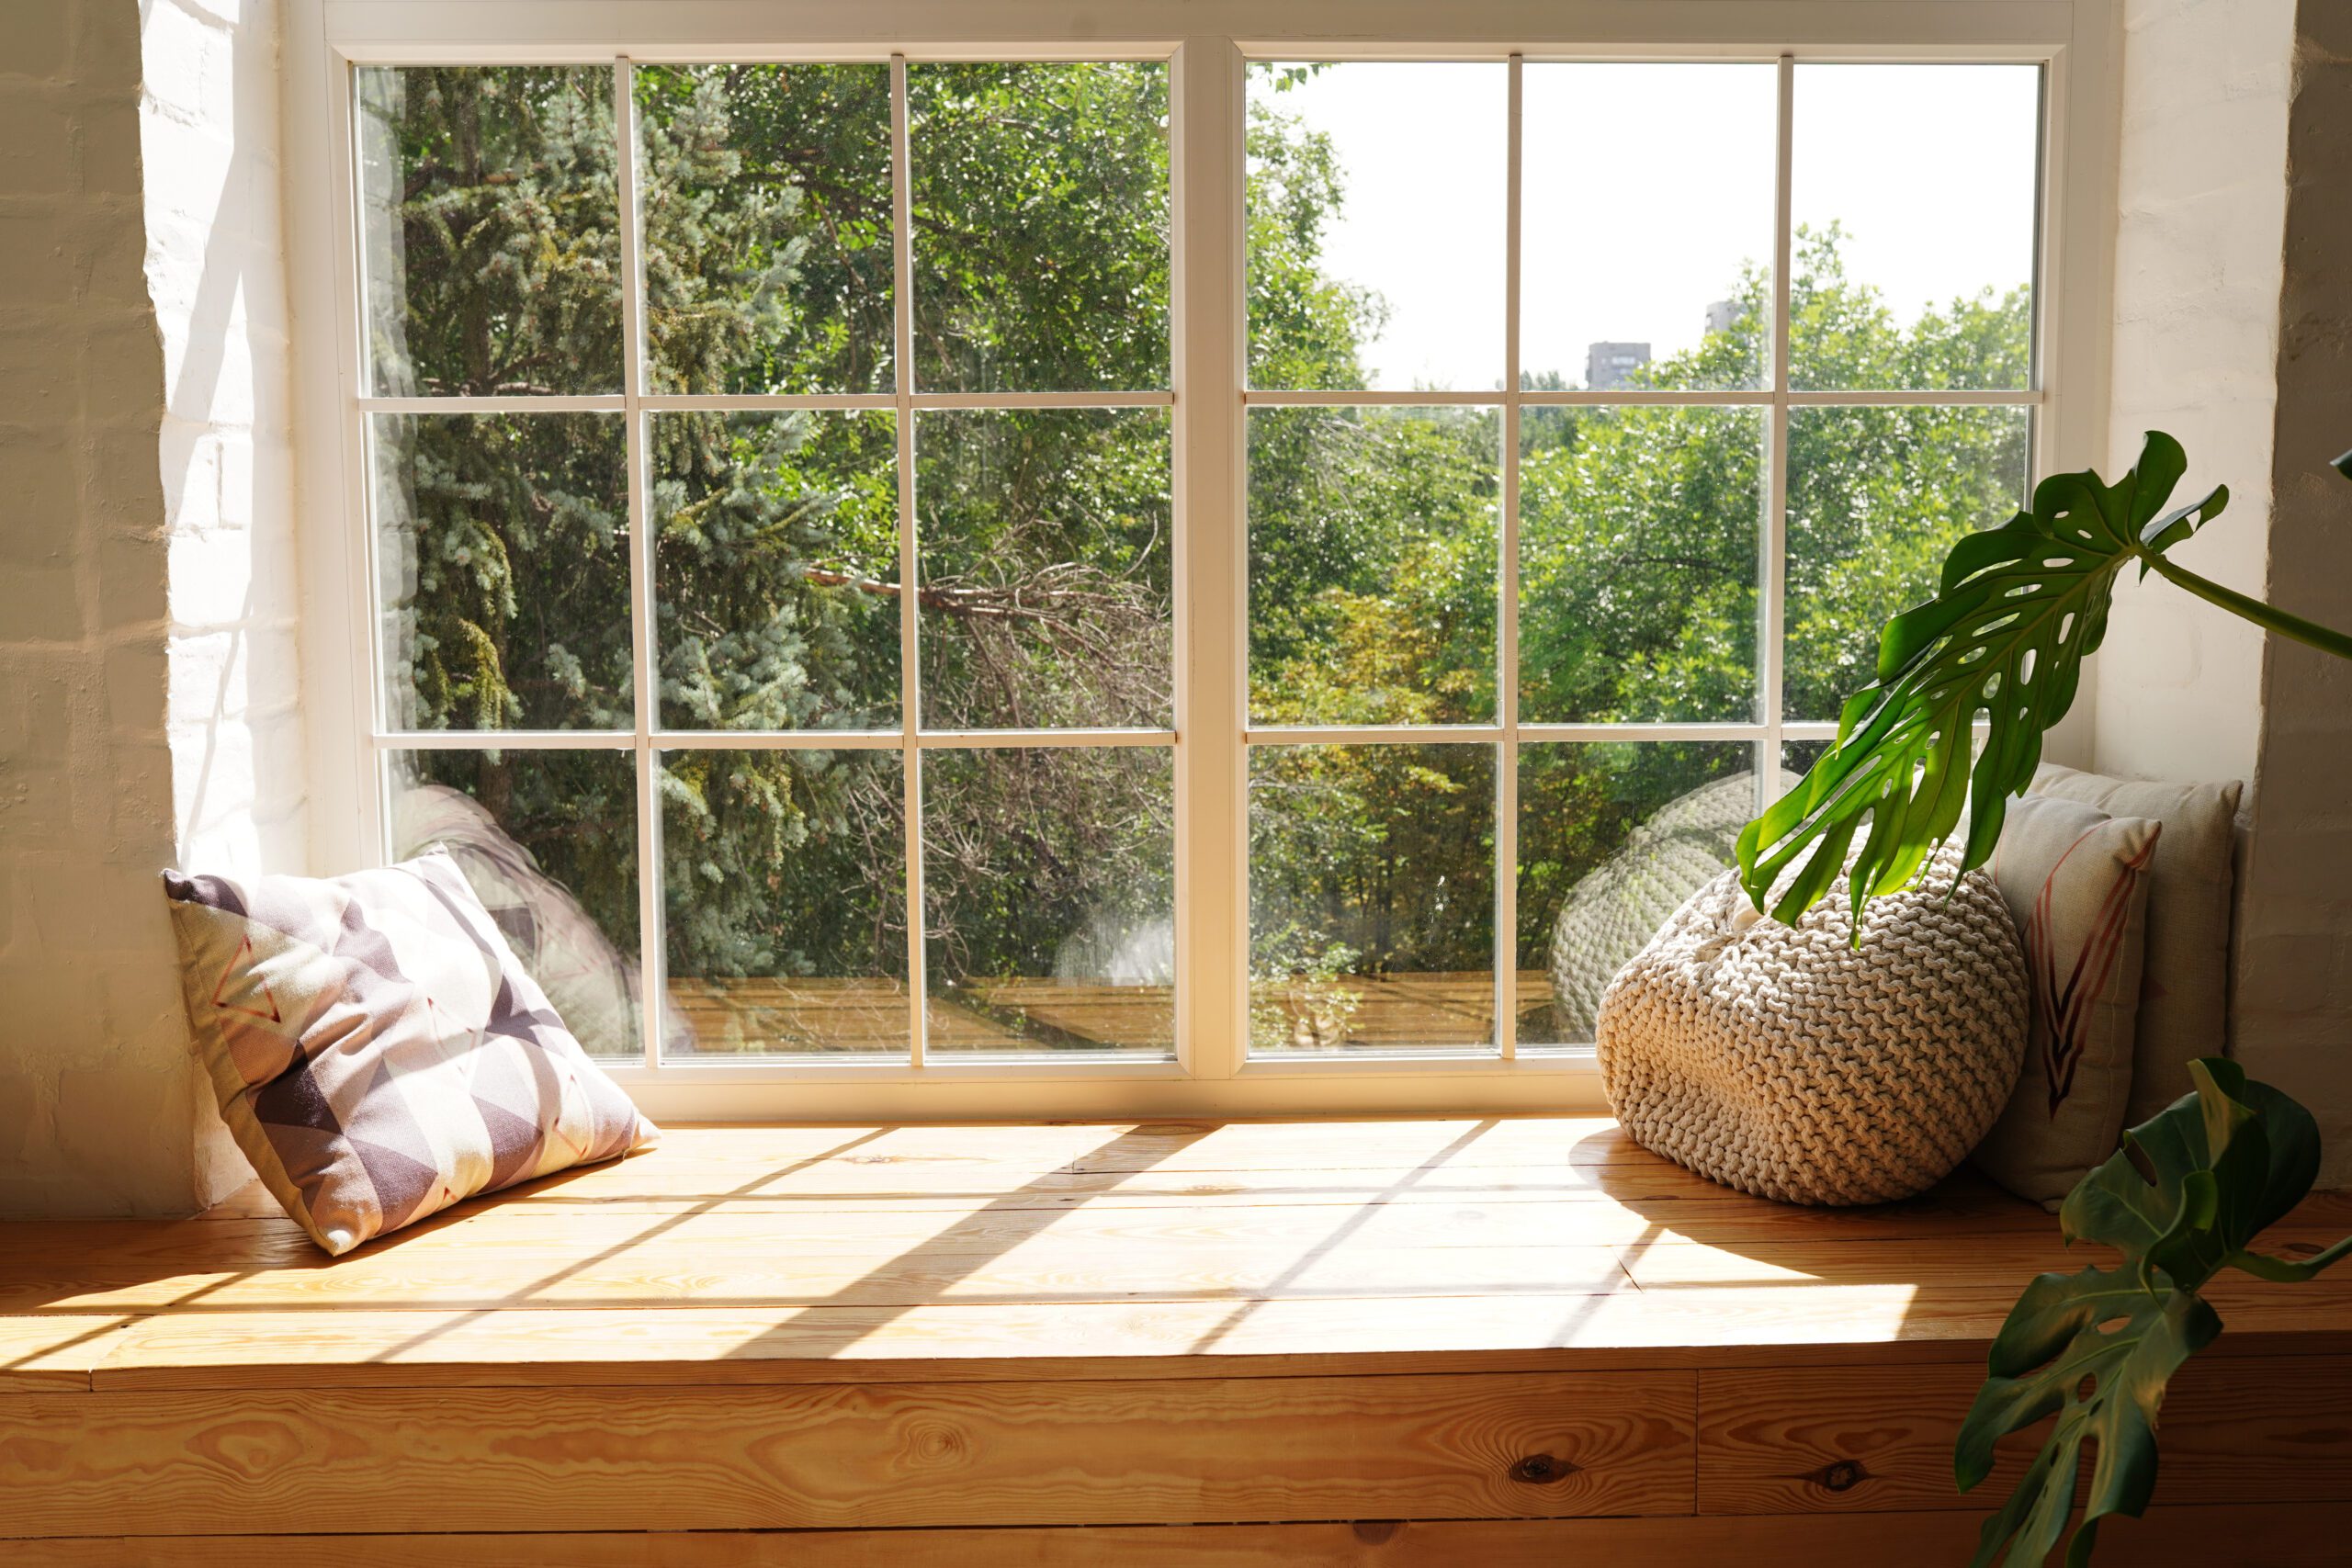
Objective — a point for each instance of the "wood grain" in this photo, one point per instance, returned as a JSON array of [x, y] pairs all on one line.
[[874, 1455], [211, 1245], [343, 1347], [1060, 1331], [663, 1271], [53, 1353], [2252, 1430], [2309, 1537]]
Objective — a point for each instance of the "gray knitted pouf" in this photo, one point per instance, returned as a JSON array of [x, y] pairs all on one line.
[[1784, 1062]]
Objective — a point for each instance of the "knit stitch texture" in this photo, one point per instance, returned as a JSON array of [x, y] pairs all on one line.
[[1783, 1061]]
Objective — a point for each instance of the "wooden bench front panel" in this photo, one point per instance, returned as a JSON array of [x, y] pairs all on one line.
[[2169, 1538], [2249, 1429], [795, 1457]]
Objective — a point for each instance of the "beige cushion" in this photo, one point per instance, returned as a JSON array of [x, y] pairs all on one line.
[[2184, 991], [2076, 880], [377, 1051]]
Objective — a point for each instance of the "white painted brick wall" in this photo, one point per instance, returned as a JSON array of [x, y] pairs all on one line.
[[150, 709], [2233, 330], [2292, 1016], [215, 269], [2201, 193], [95, 1081]]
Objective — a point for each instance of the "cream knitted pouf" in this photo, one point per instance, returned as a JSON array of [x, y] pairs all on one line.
[[1784, 1062], [1611, 913]]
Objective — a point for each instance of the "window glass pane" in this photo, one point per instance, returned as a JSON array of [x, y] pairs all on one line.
[[1371, 898], [1045, 581], [1612, 836], [1646, 229], [1639, 531], [1877, 498], [776, 588], [1799, 756], [766, 203], [503, 565], [1040, 206], [548, 841], [784, 901], [1913, 196], [1372, 565], [1050, 900], [489, 228], [1376, 224]]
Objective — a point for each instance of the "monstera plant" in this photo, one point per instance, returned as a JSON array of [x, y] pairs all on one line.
[[2005, 635], [2019, 609], [2183, 1201]]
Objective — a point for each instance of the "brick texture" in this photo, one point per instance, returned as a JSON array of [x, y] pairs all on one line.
[[2202, 199], [2293, 1018], [149, 696]]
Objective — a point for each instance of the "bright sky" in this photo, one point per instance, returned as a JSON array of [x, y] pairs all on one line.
[[1646, 186]]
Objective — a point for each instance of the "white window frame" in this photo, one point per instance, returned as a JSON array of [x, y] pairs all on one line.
[[1207, 44]]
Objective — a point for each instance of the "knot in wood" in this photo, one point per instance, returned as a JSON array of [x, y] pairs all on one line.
[[1376, 1532], [935, 1443], [1538, 1469], [1843, 1476]]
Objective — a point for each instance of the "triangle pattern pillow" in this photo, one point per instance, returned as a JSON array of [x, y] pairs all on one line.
[[376, 1049]]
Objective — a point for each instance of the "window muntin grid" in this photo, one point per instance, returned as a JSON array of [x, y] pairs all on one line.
[[1506, 732]]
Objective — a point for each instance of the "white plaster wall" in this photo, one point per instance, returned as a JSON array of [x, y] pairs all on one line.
[[148, 690], [2202, 202]]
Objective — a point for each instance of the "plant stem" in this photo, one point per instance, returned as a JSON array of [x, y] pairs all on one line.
[[2268, 616]]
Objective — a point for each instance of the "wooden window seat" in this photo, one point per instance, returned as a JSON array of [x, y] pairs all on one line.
[[1502, 1342]]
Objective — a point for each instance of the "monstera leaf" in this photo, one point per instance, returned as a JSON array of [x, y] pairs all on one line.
[[2019, 608], [2185, 1199]]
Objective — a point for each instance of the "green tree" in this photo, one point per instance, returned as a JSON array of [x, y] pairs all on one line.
[[1041, 256]]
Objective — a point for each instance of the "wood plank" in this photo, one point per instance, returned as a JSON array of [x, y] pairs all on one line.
[[662, 1270], [1674, 1261], [1400, 1145], [53, 1354], [679, 1184], [872, 1455], [2309, 1537], [1852, 1325], [710, 1260], [347, 1347], [2004, 1264], [2251, 1430], [161, 1249]]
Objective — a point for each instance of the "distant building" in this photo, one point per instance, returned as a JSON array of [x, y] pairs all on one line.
[[1608, 366], [1721, 314]]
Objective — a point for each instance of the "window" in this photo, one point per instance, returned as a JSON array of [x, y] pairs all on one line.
[[1135, 575], [1498, 618]]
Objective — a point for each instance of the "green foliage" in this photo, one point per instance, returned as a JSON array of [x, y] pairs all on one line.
[[1305, 326], [767, 219], [499, 232], [1371, 543], [2019, 609], [2184, 1199], [1040, 242]]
